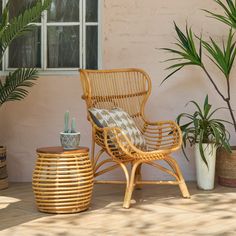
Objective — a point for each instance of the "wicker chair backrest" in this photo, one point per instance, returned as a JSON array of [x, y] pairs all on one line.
[[124, 88]]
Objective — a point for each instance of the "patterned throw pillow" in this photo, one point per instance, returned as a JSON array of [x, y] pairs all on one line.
[[119, 118]]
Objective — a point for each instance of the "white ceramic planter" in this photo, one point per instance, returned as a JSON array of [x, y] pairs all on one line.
[[206, 175]]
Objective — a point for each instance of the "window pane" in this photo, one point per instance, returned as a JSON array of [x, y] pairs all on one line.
[[64, 11], [91, 11], [18, 6], [91, 47], [25, 51], [1, 21], [63, 46]]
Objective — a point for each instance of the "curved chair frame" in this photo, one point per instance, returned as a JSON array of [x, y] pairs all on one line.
[[162, 137]]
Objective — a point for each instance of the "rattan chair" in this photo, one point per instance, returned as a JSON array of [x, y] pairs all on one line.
[[129, 89]]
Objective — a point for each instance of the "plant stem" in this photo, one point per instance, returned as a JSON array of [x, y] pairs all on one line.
[[231, 113], [228, 87], [227, 100], [214, 84]]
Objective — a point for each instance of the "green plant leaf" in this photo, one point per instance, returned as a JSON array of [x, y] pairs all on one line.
[[207, 107], [198, 108], [186, 51], [229, 17], [214, 111], [14, 87], [200, 127], [184, 127], [201, 147], [17, 82], [20, 24], [224, 57], [167, 77], [221, 120], [183, 150]]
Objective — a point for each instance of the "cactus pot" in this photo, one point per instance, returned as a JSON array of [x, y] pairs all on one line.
[[70, 141]]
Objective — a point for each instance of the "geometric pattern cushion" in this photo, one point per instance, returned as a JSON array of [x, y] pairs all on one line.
[[121, 119]]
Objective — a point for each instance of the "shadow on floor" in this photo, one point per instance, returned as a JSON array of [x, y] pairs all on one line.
[[153, 208], [17, 206]]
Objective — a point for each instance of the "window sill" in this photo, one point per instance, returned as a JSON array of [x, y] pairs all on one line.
[[49, 72]]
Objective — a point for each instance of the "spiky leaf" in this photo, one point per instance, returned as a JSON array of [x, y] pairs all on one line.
[[201, 128], [229, 16], [186, 51], [222, 57]]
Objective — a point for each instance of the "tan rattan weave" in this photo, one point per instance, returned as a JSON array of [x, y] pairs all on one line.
[[129, 89], [3, 168], [63, 180]]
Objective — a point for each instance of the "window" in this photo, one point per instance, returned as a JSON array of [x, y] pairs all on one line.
[[65, 38]]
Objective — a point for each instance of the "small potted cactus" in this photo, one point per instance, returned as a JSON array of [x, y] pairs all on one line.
[[69, 137]]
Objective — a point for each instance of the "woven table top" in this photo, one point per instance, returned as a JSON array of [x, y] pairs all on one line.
[[60, 150]]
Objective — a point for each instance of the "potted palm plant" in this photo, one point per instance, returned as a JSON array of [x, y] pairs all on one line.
[[223, 57], [206, 133], [14, 86]]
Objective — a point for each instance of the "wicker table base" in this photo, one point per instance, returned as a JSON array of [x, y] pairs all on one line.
[[3, 169], [63, 180]]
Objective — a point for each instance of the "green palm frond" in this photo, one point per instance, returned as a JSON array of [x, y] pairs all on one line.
[[186, 51], [229, 8], [14, 86], [4, 18], [223, 57], [17, 82], [9, 30]]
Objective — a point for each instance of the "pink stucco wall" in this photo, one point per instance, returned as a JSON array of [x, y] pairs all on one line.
[[132, 33]]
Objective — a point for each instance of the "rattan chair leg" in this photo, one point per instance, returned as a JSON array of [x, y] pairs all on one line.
[[124, 168], [130, 189], [182, 185], [138, 177], [184, 189]]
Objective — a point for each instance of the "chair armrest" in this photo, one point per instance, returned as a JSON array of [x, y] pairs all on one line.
[[165, 135], [119, 146], [113, 140]]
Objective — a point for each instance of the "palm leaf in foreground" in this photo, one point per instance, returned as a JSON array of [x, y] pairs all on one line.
[[14, 86], [19, 24]]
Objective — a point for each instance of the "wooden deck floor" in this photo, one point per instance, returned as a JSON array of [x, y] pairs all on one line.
[[156, 210]]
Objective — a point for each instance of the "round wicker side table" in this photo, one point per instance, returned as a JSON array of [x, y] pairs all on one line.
[[63, 180]]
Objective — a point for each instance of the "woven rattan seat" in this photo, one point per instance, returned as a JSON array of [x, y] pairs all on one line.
[[129, 90]]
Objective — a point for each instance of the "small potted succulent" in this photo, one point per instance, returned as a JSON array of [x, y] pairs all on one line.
[[206, 133], [70, 138]]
